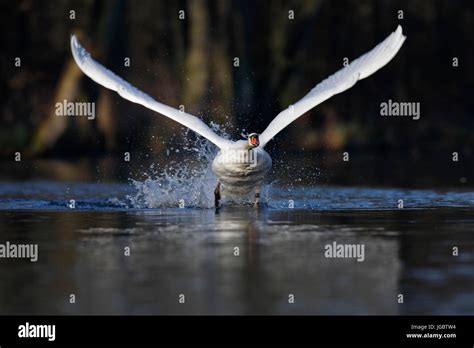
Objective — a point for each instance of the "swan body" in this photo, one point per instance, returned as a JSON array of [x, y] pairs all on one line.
[[241, 170], [242, 165]]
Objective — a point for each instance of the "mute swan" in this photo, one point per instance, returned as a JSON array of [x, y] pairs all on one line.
[[241, 165]]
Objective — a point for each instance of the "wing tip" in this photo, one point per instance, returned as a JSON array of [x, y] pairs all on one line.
[[78, 52], [74, 42], [401, 37], [399, 32]]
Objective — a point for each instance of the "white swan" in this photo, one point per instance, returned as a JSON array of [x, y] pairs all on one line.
[[242, 165]]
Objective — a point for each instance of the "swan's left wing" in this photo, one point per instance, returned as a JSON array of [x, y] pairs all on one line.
[[342, 80], [108, 79]]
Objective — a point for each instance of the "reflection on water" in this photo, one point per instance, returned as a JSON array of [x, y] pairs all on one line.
[[281, 252]]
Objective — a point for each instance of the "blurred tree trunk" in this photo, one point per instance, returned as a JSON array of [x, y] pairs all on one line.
[[244, 102], [52, 126], [197, 60], [113, 27], [221, 67]]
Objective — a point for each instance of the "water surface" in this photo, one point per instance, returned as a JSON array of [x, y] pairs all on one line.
[[281, 251]]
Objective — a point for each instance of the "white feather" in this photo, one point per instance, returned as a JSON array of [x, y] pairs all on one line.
[[108, 79], [342, 80]]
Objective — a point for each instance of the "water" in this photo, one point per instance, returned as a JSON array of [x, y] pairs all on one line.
[[190, 251]]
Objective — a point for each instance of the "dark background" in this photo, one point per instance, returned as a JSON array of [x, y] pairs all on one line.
[[190, 62]]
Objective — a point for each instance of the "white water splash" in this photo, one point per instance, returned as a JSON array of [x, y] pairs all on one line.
[[187, 183]]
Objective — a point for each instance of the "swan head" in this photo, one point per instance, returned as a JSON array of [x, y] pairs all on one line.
[[253, 140]]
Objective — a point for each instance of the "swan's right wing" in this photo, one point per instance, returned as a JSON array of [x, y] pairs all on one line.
[[108, 79], [342, 80]]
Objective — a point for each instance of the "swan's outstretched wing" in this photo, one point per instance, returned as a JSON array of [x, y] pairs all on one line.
[[108, 79], [342, 80]]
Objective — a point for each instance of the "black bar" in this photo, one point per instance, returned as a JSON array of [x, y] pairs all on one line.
[[241, 329]]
